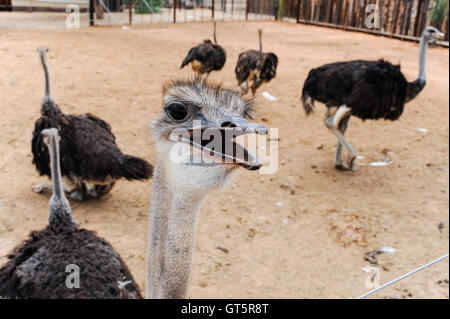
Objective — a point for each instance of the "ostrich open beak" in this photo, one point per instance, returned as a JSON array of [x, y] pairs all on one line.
[[217, 142]]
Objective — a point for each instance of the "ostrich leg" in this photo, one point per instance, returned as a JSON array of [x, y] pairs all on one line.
[[42, 188], [72, 192], [244, 87], [338, 159], [332, 123]]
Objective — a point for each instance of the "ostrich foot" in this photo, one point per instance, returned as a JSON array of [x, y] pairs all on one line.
[[91, 191], [78, 195], [42, 187], [350, 166]]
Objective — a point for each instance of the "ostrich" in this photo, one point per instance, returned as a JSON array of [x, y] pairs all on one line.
[[365, 89], [204, 119], [91, 162], [206, 57], [255, 67], [40, 267]]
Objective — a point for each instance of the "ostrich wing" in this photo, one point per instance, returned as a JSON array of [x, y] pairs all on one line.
[[95, 150], [248, 61], [378, 93], [189, 57]]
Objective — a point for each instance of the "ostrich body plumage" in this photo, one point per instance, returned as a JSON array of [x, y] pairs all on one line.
[[64, 260], [371, 89]]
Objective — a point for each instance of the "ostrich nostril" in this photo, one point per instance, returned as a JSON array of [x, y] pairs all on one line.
[[228, 124]]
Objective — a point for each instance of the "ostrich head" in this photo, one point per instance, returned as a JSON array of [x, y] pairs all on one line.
[[431, 34], [195, 132]]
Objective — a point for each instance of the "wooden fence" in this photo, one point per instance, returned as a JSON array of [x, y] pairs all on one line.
[[404, 19]]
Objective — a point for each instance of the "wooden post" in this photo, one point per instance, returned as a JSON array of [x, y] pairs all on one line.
[[329, 16], [363, 13], [212, 10], [344, 13], [423, 21], [356, 11], [384, 12], [395, 19], [418, 15], [381, 13], [409, 5], [402, 18], [246, 9], [91, 12], [352, 13]]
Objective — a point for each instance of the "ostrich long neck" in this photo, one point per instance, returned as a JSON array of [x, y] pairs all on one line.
[[43, 56], [260, 40], [60, 213], [53, 149], [414, 88], [171, 236], [423, 60]]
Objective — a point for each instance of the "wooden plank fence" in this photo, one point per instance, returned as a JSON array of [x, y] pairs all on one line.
[[404, 19]]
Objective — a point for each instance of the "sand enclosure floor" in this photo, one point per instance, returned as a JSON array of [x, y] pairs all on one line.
[[300, 233]]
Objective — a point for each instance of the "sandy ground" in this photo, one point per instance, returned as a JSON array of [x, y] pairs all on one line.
[[313, 245]]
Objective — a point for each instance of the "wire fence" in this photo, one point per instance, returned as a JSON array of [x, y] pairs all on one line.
[[403, 277], [178, 11]]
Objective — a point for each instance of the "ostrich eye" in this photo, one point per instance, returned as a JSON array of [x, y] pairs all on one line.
[[177, 111]]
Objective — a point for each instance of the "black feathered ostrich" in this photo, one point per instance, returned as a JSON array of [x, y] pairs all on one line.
[[91, 162], [365, 89], [206, 57], [255, 68], [40, 267]]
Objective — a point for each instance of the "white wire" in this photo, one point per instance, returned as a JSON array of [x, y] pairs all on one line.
[[402, 277]]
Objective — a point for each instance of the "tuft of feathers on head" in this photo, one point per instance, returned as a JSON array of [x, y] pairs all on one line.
[[208, 89]]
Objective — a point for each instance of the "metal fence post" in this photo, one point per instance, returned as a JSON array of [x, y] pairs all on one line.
[[130, 11], [91, 12], [174, 11], [246, 10]]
